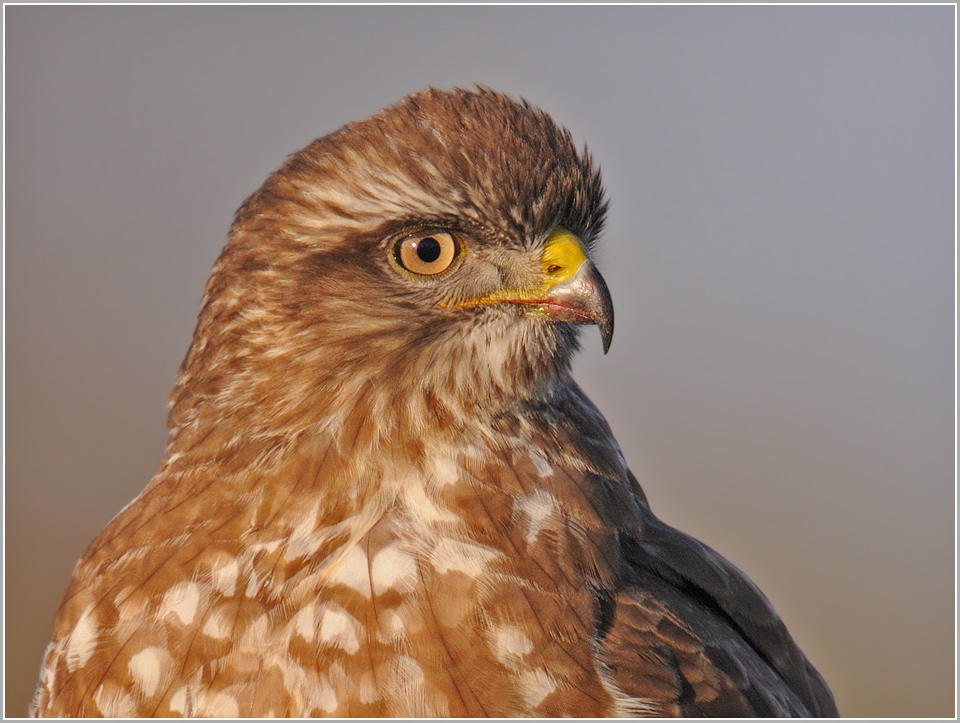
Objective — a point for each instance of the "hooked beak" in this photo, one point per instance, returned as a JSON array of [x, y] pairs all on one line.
[[581, 299], [572, 290]]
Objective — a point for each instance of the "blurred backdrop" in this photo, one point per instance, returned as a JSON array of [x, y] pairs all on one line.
[[780, 252]]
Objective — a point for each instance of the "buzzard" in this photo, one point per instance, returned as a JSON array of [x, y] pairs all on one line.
[[383, 494]]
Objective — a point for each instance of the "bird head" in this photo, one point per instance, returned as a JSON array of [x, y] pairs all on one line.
[[431, 258]]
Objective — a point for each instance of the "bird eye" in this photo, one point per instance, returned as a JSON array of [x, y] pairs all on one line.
[[427, 253]]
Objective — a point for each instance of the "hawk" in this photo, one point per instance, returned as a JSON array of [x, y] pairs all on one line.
[[383, 494]]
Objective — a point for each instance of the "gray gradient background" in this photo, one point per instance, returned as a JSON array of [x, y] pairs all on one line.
[[780, 252]]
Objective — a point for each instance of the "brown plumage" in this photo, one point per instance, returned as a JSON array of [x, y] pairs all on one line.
[[383, 494]]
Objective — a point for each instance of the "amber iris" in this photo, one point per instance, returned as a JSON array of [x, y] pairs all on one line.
[[427, 254]]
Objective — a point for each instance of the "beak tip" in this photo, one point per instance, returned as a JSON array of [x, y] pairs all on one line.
[[605, 317], [606, 334]]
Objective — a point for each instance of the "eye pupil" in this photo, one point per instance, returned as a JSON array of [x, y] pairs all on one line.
[[428, 250]]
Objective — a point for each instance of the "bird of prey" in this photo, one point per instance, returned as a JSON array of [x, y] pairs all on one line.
[[383, 494]]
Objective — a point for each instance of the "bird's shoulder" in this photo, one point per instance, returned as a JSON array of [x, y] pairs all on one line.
[[680, 623], [689, 622]]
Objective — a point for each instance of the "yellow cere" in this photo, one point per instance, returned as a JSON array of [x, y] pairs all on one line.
[[562, 257], [561, 260]]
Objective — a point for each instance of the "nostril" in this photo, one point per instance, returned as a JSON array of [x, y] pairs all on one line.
[[554, 268]]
